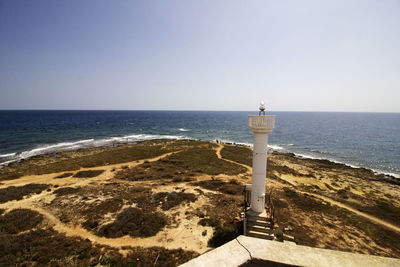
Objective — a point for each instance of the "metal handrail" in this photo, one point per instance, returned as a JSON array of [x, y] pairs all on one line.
[[272, 208]]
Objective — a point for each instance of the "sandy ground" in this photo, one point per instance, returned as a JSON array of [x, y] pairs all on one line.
[[185, 232]]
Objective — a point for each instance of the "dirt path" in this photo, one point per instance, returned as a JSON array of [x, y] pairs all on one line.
[[189, 238], [362, 214], [326, 199], [347, 207], [52, 180], [165, 238], [218, 152], [189, 232]]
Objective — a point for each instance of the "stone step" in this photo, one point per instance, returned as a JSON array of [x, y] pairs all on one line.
[[261, 224], [259, 228], [258, 218], [258, 221], [257, 234]]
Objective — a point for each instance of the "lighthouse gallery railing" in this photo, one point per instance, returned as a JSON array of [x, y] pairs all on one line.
[[261, 122]]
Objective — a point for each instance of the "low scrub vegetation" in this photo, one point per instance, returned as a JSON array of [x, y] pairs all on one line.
[[205, 160], [19, 220], [239, 154], [169, 200], [64, 175], [18, 192], [272, 167], [306, 203], [87, 158], [66, 191], [88, 174], [46, 247], [134, 222], [163, 169], [232, 187], [181, 166], [224, 231]]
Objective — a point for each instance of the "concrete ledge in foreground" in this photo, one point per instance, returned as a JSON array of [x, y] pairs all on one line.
[[233, 254]]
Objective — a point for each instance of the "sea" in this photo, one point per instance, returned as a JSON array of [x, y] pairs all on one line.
[[370, 140]]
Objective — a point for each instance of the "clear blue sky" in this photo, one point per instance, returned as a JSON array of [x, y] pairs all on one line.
[[200, 55]]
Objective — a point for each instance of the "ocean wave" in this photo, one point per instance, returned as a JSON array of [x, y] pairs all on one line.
[[5, 163], [376, 171], [67, 146], [109, 141], [183, 130], [275, 147], [395, 175], [227, 141], [51, 148], [308, 156], [7, 155], [245, 144], [317, 151]]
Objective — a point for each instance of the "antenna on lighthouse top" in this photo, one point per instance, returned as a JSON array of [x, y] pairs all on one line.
[[262, 108]]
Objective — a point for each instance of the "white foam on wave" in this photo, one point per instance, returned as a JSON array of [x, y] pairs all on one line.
[[245, 144], [51, 148], [307, 156], [226, 141], [275, 147], [5, 163], [183, 130], [302, 155], [347, 164], [7, 155], [66, 146], [386, 173]]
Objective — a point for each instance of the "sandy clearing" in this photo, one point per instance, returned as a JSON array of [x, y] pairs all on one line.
[[187, 234]]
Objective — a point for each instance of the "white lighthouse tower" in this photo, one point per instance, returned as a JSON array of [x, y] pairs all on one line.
[[261, 125]]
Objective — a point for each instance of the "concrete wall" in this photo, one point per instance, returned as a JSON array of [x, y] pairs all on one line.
[[234, 254]]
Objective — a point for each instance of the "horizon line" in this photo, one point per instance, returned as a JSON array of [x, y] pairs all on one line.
[[199, 110]]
